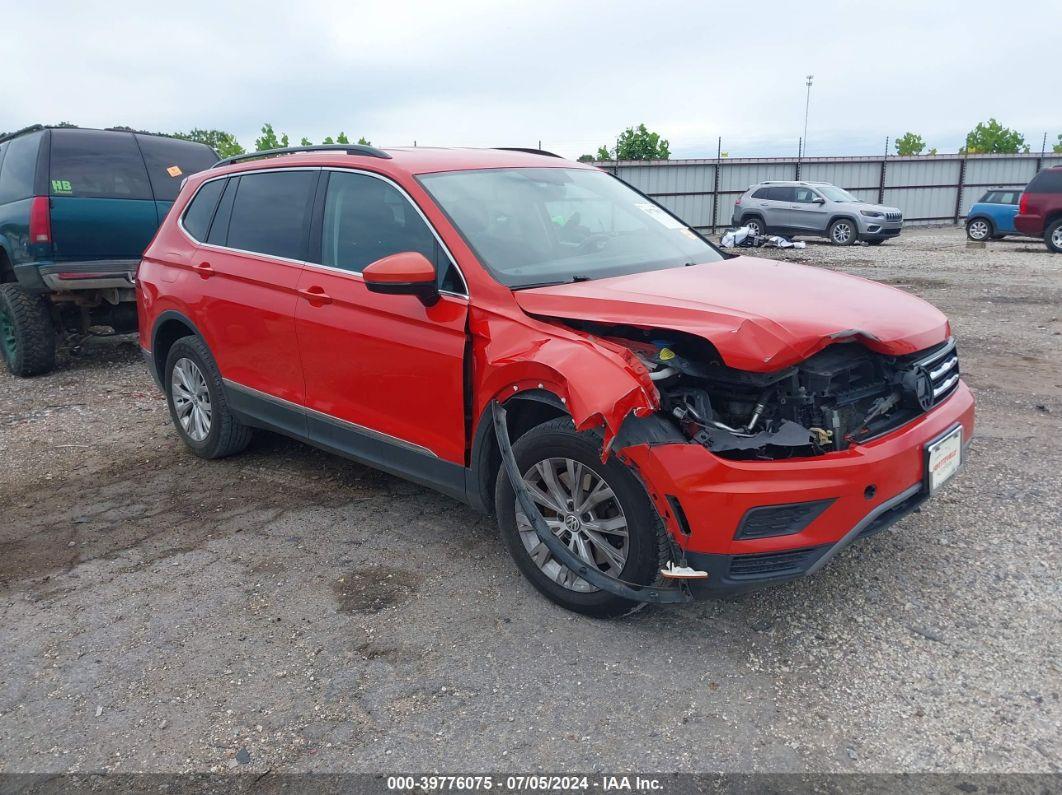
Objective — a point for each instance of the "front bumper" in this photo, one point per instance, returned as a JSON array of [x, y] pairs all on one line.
[[871, 230], [704, 498]]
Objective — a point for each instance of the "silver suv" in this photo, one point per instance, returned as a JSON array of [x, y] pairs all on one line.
[[815, 209]]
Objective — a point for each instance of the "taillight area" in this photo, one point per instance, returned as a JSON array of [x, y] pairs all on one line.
[[1023, 205], [40, 221]]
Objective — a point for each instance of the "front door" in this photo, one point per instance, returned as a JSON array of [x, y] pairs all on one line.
[[384, 373]]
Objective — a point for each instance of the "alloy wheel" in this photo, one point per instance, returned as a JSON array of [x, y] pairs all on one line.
[[842, 232], [1056, 238], [583, 511], [979, 229], [191, 399]]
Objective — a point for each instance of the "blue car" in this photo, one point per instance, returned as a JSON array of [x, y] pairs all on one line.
[[993, 216]]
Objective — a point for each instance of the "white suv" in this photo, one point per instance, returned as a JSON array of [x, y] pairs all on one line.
[[815, 209]]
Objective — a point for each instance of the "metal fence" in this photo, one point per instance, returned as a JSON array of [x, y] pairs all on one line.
[[930, 189]]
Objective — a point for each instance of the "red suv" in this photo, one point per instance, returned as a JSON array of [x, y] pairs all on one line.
[[650, 419], [1040, 210]]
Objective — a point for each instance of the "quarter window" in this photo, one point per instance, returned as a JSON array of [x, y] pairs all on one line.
[[366, 219], [201, 209], [271, 212], [19, 168], [170, 160]]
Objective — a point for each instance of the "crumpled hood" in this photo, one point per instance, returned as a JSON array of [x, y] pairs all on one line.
[[760, 314]]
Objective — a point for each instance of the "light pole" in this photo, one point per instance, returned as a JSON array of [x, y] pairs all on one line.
[[807, 106]]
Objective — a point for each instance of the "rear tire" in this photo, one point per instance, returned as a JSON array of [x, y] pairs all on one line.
[[1053, 236], [756, 225], [979, 229], [843, 232], [195, 395], [646, 544], [27, 336]]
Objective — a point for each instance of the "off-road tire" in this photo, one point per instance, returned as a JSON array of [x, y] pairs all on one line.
[[227, 435], [28, 347], [648, 539], [1053, 236], [833, 232]]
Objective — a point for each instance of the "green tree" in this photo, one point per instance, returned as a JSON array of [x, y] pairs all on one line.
[[363, 141], [305, 141], [225, 144], [269, 140], [1057, 148], [910, 144], [586, 158], [993, 137], [637, 143]]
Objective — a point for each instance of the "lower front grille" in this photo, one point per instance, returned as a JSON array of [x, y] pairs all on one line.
[[780, 520], [772, 565]]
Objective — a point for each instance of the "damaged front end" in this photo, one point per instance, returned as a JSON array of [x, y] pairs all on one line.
[[843, 394]]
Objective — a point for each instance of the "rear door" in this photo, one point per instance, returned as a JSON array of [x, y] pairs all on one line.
[[384, 373], [102, 206], [246, 272]]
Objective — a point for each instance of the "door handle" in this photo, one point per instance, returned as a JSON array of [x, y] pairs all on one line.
[[316, 295], [204, 269]]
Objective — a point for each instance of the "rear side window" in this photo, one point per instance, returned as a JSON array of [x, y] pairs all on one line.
[[97, 164], [271, 213], [1047, 181], [785, 194], [169, 161], [219, 230], [762, 193], [201, 209], [19, 168]]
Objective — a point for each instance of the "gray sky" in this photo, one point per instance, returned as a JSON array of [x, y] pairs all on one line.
[[571, 74]]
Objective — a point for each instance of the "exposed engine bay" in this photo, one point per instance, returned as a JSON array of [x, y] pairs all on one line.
[[845, 393]]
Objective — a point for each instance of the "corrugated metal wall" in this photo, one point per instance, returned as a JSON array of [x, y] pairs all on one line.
[[929, 189]]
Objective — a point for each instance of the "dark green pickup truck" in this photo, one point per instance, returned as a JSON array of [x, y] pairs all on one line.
[[77, 209]]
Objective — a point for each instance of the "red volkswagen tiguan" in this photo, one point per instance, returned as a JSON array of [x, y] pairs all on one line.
[[650, 419]]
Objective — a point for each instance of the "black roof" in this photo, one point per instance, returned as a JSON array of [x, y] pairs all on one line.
[[38, 127]]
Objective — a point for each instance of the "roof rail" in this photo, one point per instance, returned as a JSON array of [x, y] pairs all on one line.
[[350, 149], [528, 151], [23, 131]]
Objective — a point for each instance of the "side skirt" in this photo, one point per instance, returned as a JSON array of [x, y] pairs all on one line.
[[364, 445]]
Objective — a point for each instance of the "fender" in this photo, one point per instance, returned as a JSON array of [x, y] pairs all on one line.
[[627, 590]]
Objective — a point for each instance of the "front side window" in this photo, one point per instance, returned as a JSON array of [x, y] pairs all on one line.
[[366, 219], [532, 226], [805, 195], [271, 213], [97, 164]]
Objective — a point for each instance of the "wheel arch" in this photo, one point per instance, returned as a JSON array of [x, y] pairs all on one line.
[[7, 269], [169, 327], [524, 411]]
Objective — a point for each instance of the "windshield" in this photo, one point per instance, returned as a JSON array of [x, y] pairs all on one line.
[[835, 194], [534, 226]]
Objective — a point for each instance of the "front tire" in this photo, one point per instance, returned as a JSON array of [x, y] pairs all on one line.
[[979, 229], [601, 511], [27, 336], [198, 407], [843, 232], [1053, 236]]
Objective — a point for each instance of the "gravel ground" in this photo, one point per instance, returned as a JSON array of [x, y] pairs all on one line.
[[286, 610]]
